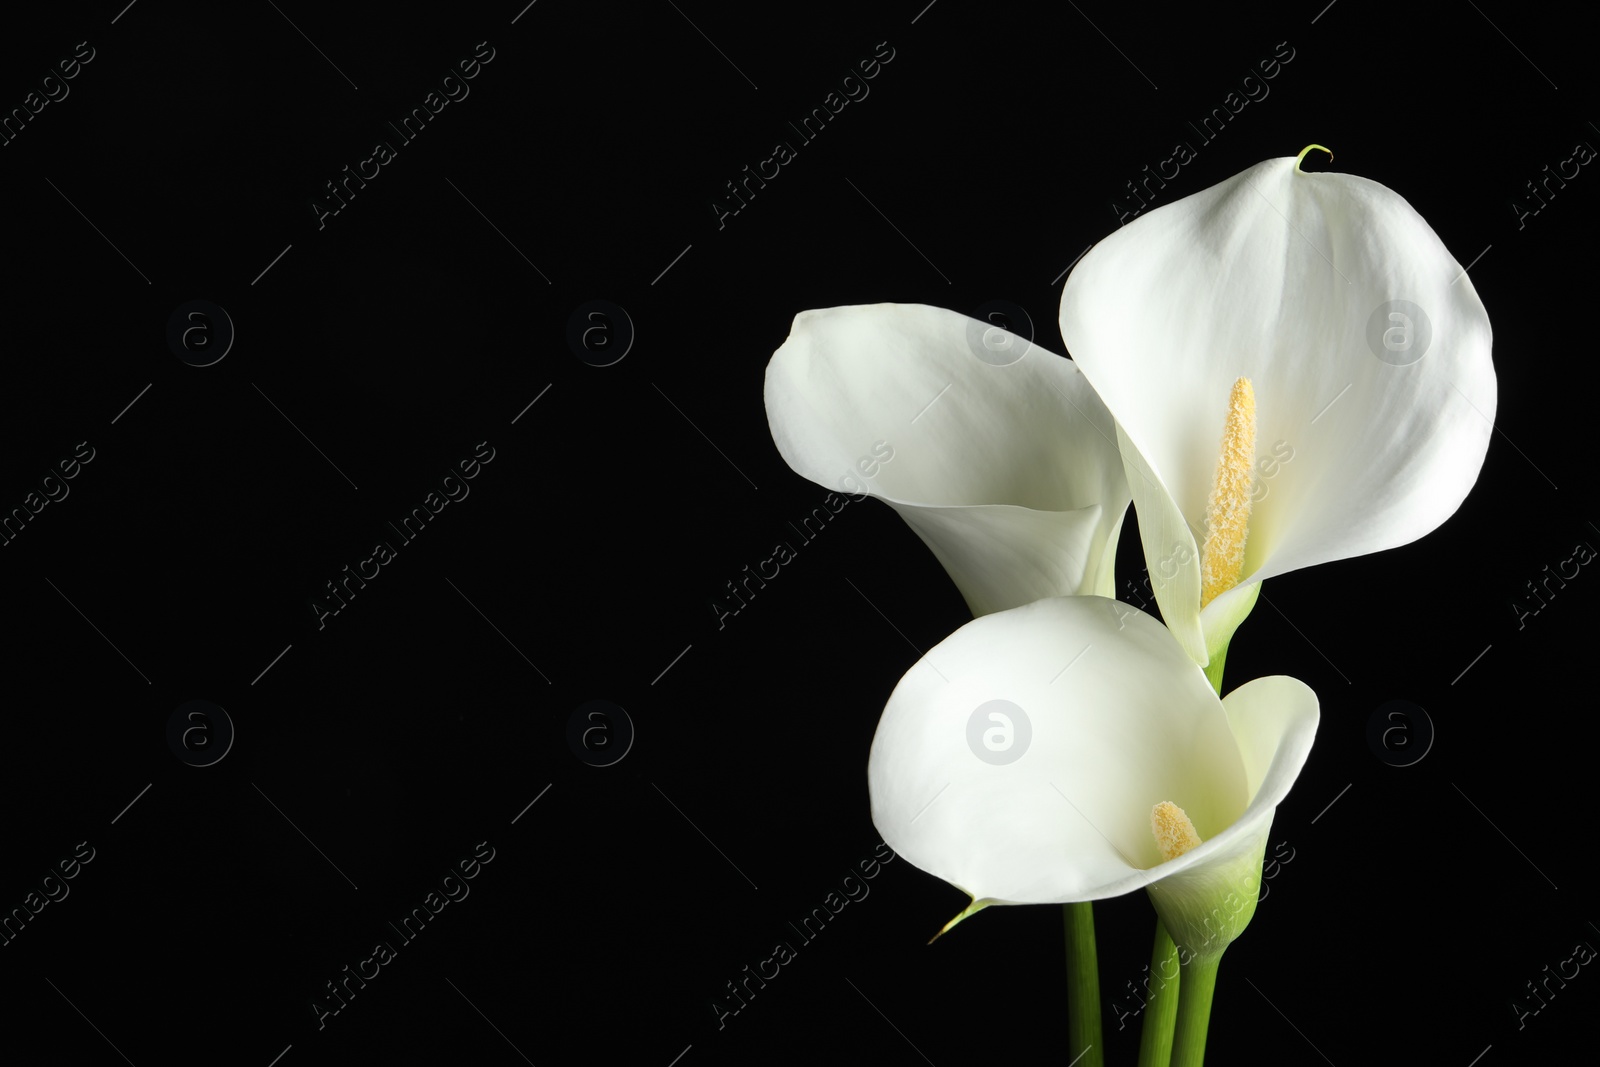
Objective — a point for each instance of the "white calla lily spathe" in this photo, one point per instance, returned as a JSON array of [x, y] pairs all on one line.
[[1007, 468], [1369, 355], [1022, 757]]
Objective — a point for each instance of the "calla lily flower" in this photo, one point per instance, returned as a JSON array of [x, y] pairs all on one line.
[[994, 450], [1365, 347], [1022, 760]]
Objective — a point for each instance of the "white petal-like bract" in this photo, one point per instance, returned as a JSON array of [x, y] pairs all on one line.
[[1010, 473], [1366, 344]]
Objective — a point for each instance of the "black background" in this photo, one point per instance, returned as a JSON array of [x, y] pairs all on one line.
[[432, 710]]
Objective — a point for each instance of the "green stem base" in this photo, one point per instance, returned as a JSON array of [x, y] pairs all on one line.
[[1214, 669], [1194, 1012], [1160, 1011], [1083, 985]]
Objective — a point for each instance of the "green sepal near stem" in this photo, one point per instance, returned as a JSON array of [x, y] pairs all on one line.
[[1233, 607], [1214, 668], [1204, 911], [1204, 914], [1083, 985]]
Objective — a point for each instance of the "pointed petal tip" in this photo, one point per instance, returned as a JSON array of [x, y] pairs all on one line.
[[971, 909]]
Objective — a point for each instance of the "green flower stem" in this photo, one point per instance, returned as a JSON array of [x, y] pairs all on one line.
[[1199, 980], [1303, 152], [1214, 668], [1161, 1010], [1186, 1039], [1083, 985]]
